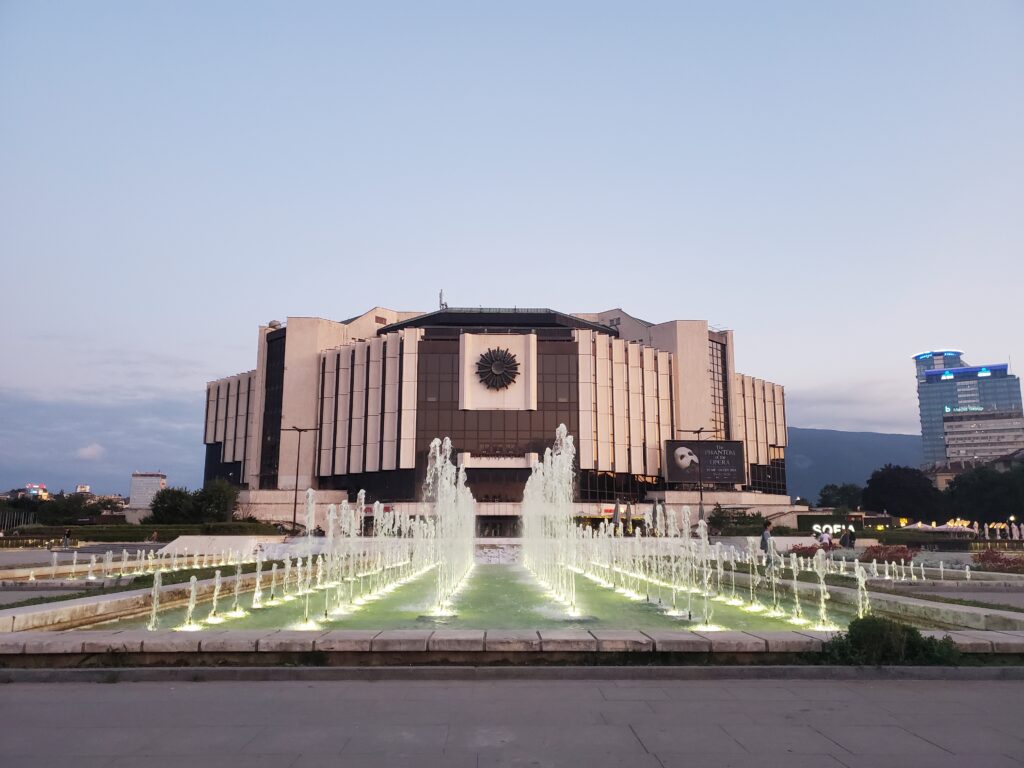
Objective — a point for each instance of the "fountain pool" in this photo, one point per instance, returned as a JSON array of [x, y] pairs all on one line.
[[418, 572], [493, 596]]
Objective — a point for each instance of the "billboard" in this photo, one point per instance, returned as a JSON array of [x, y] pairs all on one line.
[[705, 461]]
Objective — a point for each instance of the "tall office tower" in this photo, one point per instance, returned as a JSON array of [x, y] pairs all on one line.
[[948, 387]]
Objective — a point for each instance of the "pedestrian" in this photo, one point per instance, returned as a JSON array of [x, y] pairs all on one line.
[[67, 538], [853, 539], [844, 540], [825, 540], [766, 543]]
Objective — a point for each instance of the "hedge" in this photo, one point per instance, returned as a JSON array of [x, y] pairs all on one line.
[[143, 532], [930, 541]]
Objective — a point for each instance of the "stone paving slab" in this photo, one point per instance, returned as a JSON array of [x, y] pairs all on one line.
[[231, 641], [622, 641], [515, 640], [818, 634], [788, 642], [964, 642], [667, 641], [730, 641], [464, 640], [14, 642], [169, 641], [57, 642], [114, 641], [221, 640], [401, 640], [288, 641], [1004, 641], [567, 640], [346, 640]]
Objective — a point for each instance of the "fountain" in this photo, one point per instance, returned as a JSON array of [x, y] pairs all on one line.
[[642, 560], [213, 618], [154, 607], [863, 603], [548, 529], [821, 568], [257, 594], [798, 614], [236, 605], [190, 610], [53, 565]]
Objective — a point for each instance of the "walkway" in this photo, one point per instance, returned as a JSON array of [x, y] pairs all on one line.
[[632, 724]]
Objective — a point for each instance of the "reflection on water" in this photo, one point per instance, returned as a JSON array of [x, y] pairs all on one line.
[[493, 597]]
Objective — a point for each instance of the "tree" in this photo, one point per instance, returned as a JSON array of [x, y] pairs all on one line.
[[988, 496], [216, 501], [173, 505], [62, 510], [903, 492], [848, 495]]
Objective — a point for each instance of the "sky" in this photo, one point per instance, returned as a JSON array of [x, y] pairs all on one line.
[[842, 184]]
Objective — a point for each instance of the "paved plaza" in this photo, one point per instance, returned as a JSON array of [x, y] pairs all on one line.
[[463, 724]]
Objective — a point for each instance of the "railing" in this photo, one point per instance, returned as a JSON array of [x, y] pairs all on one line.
[[34, 542], [1000, 544]]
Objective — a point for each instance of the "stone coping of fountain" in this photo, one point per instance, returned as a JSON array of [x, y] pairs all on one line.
[[912, 609], [94, 609], [456, 646]]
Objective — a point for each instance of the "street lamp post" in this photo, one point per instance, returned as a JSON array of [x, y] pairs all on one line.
[[298, 453]]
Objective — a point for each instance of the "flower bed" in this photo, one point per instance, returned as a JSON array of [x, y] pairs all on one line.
[[887, 553], [994, 560], [810, 550]]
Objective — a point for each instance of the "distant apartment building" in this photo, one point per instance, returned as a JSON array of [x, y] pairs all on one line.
[[982, 435], [987, 397], [36, 491], [144, 487]]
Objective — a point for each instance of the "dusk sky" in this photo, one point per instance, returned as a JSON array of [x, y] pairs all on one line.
[[840, 183]]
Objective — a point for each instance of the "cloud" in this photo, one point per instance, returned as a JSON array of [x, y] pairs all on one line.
[[860, 406], [91, 452], [164, 435]]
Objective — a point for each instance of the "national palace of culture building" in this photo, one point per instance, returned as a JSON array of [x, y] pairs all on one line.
[[657, 411]]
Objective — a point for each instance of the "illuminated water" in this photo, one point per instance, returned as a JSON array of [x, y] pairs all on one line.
[[493, 597]]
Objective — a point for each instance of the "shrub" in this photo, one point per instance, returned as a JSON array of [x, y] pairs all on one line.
[[888, 553], [875, 640], [130, 533], [994, 560]]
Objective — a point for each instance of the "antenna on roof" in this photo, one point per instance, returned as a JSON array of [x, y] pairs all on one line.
[[442, 304]]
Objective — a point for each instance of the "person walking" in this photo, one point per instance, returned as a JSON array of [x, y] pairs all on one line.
[[766, 543], [67, 538]]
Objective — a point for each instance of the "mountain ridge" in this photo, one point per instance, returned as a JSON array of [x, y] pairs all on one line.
[[817, 457]]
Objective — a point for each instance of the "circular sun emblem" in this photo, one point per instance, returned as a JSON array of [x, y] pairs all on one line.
[[497, 368]]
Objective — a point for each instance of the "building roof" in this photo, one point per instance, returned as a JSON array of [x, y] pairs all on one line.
[[976, 371], [938, 353], [1013, 457], [497, 317]]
